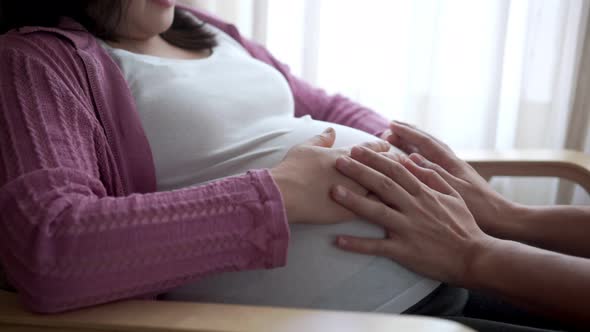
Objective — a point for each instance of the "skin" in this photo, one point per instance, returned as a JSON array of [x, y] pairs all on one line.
[[557, 228], [427, 219], [444, 221], [141, 25], [306, 174]]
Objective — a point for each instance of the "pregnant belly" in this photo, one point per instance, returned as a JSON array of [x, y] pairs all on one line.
[[317, 275]]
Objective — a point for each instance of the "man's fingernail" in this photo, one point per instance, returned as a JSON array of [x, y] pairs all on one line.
[[342, 163], [403, 124], [358, 150], [419, 159], [342, 241], [340, 192]]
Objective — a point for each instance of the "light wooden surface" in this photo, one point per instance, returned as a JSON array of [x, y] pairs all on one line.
[[565, 164], [179, 316]]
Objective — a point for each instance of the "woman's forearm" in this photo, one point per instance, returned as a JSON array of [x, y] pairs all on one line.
[[558, 228], [547, 282], [66, 245]]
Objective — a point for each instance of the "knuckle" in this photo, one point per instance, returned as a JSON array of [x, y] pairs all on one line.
[[380, 213], [419, 191], [385, 185], [383, 211], [390, 155], [436, 168], [380, 248], [430, 173], [391, 169]]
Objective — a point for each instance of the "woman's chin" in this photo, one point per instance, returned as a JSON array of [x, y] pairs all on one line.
[[164, 3]]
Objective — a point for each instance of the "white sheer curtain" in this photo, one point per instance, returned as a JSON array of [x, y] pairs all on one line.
[[486, 74]]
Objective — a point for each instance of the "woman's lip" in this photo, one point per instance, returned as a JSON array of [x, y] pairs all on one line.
[[165, 3]]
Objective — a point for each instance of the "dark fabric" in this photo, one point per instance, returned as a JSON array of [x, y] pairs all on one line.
[[4, 284], [483, 312], [488, 307], [443, 301]]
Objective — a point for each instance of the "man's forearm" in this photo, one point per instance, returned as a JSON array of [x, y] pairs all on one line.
[[563, 229], [548, 282]]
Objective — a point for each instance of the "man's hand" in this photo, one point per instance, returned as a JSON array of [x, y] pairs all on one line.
[[429, 228], [489, 208]]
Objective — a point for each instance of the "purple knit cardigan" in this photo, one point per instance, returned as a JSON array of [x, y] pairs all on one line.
[[81, 223]]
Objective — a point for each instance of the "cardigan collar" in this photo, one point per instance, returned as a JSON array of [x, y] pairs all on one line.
[[67, 28]]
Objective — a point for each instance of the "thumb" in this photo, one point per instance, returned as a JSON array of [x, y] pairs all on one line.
[[325, 139]]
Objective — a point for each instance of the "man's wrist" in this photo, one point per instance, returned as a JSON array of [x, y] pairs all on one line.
[[483, 262], [513, 221]]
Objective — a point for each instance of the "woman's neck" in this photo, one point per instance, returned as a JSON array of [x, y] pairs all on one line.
[[151, 46], [157, 46]]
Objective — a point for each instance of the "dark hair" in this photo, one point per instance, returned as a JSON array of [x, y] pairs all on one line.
[[186, 31]]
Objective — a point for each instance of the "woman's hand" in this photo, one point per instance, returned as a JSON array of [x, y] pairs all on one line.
[[429, 228], [489, 208], [307, 174]]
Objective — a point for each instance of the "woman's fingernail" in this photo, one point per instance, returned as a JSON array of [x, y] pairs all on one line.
[[342, 241], [340, 192], [329, 130]]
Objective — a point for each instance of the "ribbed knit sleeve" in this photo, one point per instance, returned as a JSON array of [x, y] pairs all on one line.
[[65, 243]]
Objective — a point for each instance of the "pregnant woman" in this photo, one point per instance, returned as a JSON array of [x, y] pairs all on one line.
[[146, 147]]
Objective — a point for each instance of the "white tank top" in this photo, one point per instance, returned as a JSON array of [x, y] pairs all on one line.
[[226, 114]]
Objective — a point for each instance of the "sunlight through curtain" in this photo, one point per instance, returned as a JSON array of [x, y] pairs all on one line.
[[487, 74]]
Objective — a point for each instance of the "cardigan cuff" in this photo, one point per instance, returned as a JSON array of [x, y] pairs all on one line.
[[274, 211]]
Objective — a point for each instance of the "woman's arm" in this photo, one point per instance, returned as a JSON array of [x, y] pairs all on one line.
[[309, 100], [66, 243], [431, 231], [560, 228]]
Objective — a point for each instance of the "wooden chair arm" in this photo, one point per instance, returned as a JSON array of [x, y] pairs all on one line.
[[133, 316], [565, 164]]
